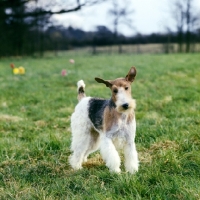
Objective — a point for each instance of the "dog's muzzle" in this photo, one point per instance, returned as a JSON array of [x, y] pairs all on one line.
[[125, 106]]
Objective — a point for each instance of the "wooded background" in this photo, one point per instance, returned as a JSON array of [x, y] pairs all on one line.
[[26, 28]]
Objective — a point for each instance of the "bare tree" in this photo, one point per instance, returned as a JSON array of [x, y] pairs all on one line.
[[178, 15], [167, 47], [185, 17], [121, 14], [21, 19], [191, 19]]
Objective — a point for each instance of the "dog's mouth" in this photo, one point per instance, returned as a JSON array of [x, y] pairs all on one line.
[[123, 108]]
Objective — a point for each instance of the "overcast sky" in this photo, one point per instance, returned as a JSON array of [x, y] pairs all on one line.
[[149, 16]]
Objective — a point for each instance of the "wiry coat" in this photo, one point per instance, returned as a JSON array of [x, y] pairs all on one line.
[[105, 124]]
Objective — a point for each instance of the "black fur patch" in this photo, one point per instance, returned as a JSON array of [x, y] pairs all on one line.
[[81, 90], [96, 109]]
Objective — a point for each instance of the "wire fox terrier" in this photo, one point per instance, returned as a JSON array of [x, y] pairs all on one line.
[[105, 124]]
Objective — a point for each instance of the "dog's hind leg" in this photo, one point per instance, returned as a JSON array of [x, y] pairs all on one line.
[[81, 134], [80, 127], [94, 143], [87, 143], [79, 147], [76, 160]]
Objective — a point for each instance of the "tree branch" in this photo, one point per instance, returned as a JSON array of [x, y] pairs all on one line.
[[44, 12]]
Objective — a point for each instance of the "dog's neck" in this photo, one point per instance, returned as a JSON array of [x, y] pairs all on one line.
[[111, 104]]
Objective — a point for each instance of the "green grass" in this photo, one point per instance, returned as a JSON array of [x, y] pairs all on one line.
[[35, 114]]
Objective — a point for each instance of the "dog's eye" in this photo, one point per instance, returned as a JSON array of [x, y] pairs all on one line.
[[115, 91], [126, 88]]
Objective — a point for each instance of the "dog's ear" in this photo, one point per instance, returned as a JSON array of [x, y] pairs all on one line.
[[131, 75], [107, 83]]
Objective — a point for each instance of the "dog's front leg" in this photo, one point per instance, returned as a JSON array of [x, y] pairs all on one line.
[[131, 157], [110, 154]]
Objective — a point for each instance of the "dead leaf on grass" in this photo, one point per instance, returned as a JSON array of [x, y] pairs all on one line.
[[145, 157], [10, 118], [94, 161], [164, 145], [40, 123]]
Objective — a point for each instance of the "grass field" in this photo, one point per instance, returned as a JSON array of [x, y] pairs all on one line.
[[35, 111]]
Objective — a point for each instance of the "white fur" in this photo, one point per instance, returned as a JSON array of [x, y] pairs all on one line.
[[109, 154], [80, 83], [80, 126], [123, 98]]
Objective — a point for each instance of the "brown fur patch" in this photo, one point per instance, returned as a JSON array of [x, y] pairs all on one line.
[[80, 96], [111, 116], [130, 117], [131, 74], [120, 82], [94, 134]]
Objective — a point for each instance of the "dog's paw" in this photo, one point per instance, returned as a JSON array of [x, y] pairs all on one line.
[[85, 159], [75, 164], [77, 167], [116, 170], [133, 168]]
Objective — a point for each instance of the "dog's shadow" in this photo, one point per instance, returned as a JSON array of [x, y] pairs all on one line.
[[94, 161]]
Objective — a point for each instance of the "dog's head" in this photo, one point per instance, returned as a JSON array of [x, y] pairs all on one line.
[[121, 91]]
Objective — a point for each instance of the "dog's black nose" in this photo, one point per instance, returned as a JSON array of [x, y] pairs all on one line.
[[125, 106]]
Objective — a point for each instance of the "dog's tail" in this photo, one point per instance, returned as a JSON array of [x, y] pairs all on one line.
[[81, 90]]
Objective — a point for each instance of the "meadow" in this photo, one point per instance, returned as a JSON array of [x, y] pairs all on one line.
[[35, 110]]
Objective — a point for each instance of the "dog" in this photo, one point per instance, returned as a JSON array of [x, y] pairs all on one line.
[[105, 124]]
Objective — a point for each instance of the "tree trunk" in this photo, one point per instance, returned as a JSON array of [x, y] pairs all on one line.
[[180, 42]]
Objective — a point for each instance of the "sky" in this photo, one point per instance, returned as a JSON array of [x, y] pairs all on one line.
[[149, 16]]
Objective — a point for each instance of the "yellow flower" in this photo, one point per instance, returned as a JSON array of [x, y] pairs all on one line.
[[21, 70], [15, 71]]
